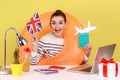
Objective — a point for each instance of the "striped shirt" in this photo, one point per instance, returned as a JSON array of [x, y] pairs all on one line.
[[51, 46]]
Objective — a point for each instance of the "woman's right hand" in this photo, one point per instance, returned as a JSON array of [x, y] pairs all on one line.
[[34, 46], [34, 41]]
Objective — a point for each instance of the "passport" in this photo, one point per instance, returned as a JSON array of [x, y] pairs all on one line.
[[83, 39]]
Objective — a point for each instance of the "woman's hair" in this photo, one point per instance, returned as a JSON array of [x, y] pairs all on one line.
[[58, 13]]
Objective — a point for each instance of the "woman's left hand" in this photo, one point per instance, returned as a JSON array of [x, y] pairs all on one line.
[[88, 49]]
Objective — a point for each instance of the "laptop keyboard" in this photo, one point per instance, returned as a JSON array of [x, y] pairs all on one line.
[[86, 69]]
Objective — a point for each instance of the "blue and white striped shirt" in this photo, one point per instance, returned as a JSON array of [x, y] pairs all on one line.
[[49, 43]]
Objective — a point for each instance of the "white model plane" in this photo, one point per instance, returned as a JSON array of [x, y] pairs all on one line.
[[87, 29]]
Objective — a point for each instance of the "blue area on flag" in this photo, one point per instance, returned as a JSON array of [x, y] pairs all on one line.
[[34, 25]]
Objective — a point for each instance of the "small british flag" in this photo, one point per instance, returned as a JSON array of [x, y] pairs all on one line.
[[34, 25]]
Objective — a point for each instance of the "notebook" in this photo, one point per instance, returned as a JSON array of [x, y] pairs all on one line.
[[102, 52]]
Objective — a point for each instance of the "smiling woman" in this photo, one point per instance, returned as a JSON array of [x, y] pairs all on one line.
[[71, 54]]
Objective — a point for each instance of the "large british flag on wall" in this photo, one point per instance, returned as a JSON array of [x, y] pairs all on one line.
[[34, 25]]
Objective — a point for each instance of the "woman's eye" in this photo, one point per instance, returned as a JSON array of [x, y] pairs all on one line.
[[60, 22], [53, 23]]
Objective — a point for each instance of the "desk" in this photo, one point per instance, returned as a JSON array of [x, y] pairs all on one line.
[[61, 75]]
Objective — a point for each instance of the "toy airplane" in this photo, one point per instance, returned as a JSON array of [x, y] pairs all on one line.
[[88, 29]]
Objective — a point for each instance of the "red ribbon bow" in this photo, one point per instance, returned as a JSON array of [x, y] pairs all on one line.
[[105, 62]]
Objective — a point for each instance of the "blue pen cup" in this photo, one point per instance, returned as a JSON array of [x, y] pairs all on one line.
[[83, 39]]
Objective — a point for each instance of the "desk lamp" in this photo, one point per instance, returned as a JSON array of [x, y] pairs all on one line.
[[20, 41]]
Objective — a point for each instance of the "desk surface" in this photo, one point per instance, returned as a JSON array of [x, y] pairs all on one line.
[[61, 75]]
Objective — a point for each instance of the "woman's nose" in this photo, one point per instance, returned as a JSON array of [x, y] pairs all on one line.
[[57, 25]]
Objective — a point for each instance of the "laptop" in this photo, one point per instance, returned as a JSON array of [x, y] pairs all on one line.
[[102, 52]]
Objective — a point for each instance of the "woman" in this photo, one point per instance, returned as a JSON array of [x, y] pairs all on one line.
[[52, 43]]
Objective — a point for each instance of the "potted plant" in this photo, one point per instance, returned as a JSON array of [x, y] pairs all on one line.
[[16, 66], [16, 56]]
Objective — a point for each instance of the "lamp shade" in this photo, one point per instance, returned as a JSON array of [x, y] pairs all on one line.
[[21, 41]]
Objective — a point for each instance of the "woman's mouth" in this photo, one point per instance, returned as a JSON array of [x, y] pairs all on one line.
[[57, 30]]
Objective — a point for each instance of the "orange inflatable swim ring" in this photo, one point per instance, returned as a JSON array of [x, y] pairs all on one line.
[[71, 54]]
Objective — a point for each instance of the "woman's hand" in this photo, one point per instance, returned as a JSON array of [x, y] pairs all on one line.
[[34, 46], [34, 41], [88, 49]]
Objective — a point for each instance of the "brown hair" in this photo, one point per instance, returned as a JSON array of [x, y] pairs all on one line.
[[58, 13]]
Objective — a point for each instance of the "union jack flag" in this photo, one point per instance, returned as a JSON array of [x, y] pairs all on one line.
[[34, 25]]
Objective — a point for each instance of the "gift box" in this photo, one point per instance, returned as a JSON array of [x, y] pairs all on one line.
[[108, 68], [83, 39]]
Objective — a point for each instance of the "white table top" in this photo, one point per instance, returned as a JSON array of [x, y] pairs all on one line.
[[61, 75]]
